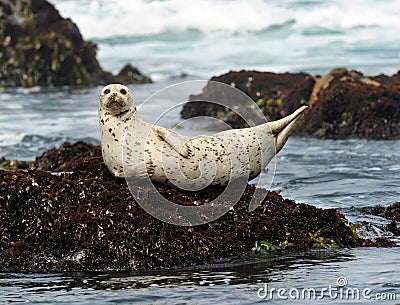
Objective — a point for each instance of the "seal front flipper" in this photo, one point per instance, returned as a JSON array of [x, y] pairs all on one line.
[[176, 141], [150, 167], [135, 172]]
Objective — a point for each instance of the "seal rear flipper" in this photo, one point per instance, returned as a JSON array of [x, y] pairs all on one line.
[[178, 142], [281, 129]]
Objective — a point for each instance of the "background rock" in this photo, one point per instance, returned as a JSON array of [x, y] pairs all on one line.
[[40, 48], [131, 75], [391, 212], [343, 104], [276, 94]]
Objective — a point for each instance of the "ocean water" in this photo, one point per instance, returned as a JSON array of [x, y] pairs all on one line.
[[208, 37], [204, 38]]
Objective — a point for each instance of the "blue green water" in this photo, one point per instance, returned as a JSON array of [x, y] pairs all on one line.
[[209, 37], [372, 269]]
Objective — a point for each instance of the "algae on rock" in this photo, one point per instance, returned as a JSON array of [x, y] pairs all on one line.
[[40, 48]]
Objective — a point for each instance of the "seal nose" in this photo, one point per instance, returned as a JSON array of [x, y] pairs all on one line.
[[113, 96]]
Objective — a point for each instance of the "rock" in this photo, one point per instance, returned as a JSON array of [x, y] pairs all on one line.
[[131, 75], [85, 219], [379, 242], [391, 212], [60, 159], [13, 164], [343, 104], [276, 94], [40, 48], [351, 105]]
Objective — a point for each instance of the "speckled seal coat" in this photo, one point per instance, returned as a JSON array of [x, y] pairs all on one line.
[[134, 148]]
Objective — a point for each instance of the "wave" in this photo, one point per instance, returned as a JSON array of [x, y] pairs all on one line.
[[105, 19], [190, 34], [26, 147]]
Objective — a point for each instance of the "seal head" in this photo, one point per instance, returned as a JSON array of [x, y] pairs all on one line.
[[116, 108], [115, 99]]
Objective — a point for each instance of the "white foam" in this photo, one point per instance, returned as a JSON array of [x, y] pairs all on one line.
[[10, 139], [109, 18], [394, 168], [374, 169]]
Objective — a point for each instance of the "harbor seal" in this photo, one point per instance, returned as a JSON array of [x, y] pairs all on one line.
[[133, 148]]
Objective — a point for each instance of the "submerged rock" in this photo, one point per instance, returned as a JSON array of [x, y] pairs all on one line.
[[391, 212], [83, 218], [343, 104], [131, 75], [40, 48]]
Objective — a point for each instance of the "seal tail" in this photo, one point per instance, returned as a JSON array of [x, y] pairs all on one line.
[[281, 129]]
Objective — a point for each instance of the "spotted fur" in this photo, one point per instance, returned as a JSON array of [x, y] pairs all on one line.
[[168, 157]]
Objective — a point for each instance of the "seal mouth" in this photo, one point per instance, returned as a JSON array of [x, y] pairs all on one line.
[[115, 103]]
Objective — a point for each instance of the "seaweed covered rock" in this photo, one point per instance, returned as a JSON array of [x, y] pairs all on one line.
[[85, 219], [343, 104], [40, 48], [347, 104], [60, 159], [277, 94], [391, 212]]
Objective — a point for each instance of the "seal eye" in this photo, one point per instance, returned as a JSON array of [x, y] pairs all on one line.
[[107, 91], [123, 91]]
